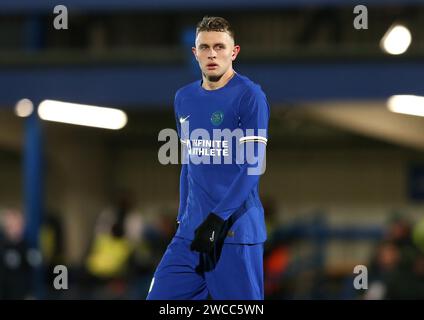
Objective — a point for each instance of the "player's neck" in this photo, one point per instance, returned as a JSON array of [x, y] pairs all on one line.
[[211, 85]]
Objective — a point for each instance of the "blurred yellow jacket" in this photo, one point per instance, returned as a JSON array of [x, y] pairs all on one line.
[[108, 256]]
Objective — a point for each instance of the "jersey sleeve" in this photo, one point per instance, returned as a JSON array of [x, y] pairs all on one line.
[[183, 173], [254, 118], [183, 191]]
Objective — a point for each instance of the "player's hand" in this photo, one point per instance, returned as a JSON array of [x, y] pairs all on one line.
[[206, 235]]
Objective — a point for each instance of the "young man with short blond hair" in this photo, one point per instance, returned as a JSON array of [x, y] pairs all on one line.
[[217, 251]]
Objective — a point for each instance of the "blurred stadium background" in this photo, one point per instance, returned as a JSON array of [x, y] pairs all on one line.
[[344, 184]]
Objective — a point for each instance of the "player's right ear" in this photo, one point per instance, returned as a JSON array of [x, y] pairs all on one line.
[[193, 49]]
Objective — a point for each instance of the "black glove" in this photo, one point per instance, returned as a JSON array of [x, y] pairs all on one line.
[[206, 235]]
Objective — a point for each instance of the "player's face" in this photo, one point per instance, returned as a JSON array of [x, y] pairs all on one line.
[[215, 51]]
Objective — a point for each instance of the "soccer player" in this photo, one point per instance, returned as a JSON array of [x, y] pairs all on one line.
[[217, 251]]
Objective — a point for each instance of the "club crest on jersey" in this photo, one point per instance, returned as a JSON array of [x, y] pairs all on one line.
[[217, 118]]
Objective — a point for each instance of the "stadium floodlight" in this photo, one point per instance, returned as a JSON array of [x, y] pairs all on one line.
[[24, 108], [80, 114], [396, 40], [406, 104]]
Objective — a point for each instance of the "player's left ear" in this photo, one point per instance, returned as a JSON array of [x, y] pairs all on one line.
[[235, 52]]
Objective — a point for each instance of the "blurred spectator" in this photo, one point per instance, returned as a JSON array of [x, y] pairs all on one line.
[[15, 269], [124, 251], [384, 263], [276, 263], [397, 270], [52, 244], [106, 265]]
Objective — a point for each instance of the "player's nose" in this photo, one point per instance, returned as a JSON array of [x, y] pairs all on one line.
[[212, 54]]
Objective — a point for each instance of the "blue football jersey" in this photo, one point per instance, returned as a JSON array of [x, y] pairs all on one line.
[[223, 136]]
